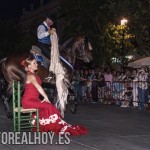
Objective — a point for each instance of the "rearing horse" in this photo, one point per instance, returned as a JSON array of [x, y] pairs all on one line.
[[74, 48]]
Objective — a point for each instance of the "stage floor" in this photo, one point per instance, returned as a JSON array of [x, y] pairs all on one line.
[[110, 128]]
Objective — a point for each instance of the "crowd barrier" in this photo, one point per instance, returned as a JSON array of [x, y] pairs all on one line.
[[105, 92], [118, 92]]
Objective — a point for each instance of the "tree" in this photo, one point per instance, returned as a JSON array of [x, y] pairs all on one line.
[[98, 17], [87, 16], [140, 13], [115, 37]]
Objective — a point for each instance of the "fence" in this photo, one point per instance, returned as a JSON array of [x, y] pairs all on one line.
[[117, 92], [120, 93]]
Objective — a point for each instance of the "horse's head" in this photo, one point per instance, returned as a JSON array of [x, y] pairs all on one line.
[[78, 47], [83, 49]]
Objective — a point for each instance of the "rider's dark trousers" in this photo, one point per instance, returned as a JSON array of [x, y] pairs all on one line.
[[45, 48]]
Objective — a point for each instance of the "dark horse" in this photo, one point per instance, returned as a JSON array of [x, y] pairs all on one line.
[[72, 49]]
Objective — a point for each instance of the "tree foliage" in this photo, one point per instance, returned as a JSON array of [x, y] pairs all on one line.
[[101, 19]]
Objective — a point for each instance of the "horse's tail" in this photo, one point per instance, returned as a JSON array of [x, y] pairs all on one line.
[[11, 72], [1, 62], [2, 80], [1, 66], [3, 71]]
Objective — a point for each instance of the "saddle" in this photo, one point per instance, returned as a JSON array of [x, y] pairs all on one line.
[[37, 54]]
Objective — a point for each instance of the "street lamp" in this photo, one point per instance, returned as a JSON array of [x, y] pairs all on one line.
[[124, 21], [123, 24]]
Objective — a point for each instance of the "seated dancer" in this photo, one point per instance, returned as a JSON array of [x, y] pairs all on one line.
[[50, 118]]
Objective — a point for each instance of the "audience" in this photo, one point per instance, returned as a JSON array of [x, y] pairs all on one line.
[[126, 88]]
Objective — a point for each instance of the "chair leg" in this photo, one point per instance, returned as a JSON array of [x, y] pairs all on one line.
[[14, 121], [19, 122], [30, 121], [37, 120]]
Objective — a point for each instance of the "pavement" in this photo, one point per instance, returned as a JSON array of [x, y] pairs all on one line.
[[110, 128]]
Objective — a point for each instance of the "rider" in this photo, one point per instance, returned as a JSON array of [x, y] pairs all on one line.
[[44, 32]]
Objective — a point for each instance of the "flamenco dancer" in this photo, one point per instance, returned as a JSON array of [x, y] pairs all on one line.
[[50, 118]]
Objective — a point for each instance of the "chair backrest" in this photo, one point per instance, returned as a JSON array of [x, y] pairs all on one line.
[[16, 95]]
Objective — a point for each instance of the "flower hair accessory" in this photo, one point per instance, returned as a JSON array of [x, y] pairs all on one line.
[[23, 63]]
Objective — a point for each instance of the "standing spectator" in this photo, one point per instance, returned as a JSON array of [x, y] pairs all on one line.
[[89, 84], [108, 78], [148, 83], [142, 89], [84, 84], [101, 86], [77, 85], [114, 74], [118, 90], [94, 86], [135, 88]]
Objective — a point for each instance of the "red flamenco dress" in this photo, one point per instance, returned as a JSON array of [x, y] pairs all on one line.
[[50, 118]]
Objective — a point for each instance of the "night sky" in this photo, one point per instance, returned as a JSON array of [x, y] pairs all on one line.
[[13, 8]]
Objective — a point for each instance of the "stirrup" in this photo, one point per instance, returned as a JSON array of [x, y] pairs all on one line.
[[48, 78]]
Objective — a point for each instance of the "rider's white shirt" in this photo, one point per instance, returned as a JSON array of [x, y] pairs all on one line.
[[41, 33]]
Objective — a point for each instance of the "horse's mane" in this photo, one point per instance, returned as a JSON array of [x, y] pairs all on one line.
[[67, 44]]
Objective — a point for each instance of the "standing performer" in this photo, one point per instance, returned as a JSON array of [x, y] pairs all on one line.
[[50, 118], [43, 33]]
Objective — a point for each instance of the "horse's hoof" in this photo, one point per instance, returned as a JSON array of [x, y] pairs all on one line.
[[9, 115], [74, 109], [76, 104]]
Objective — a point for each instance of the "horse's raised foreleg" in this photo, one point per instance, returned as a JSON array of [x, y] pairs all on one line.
[[6, 99]]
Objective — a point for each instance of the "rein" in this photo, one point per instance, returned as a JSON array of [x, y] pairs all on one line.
[[64, 60]]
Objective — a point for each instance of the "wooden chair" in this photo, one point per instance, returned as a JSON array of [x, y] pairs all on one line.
[[22, 117]]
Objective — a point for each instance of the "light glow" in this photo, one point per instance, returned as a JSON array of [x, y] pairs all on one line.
[[124, 21]]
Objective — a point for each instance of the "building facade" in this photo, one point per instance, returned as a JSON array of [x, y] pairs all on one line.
[[33, 17]]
